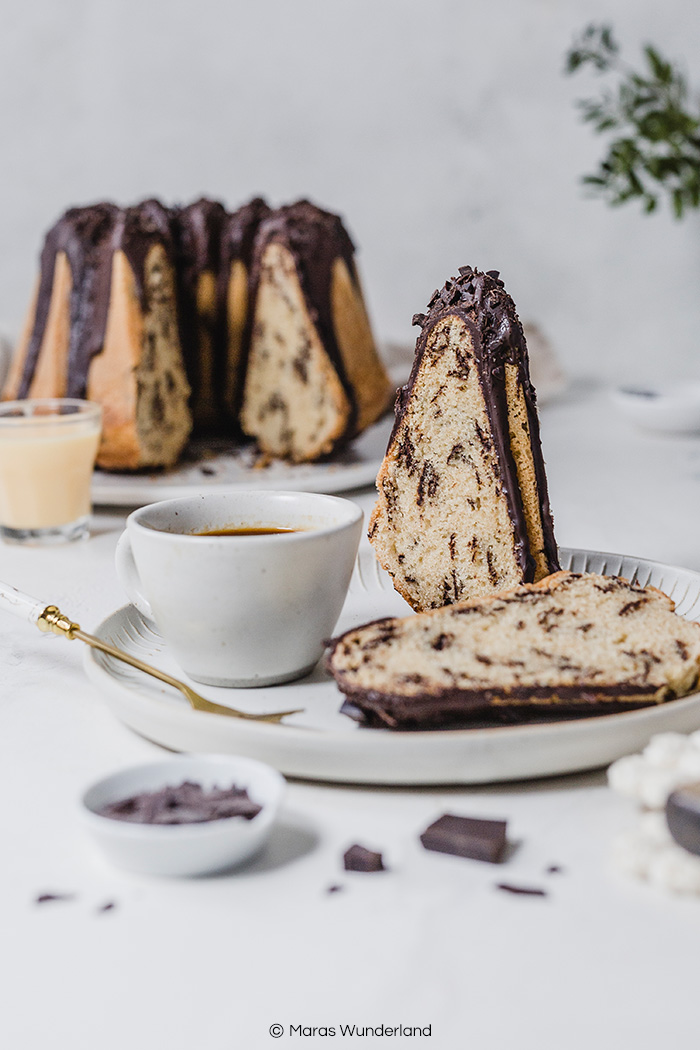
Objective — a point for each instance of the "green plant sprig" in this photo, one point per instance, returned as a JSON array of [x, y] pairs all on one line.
[[655, 147]]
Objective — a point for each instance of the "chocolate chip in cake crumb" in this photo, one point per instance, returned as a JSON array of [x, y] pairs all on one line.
[[428, 483], [493, 575], [405, 454], [453, 546], [682, 649], [443, 641], [457, 454], [631, 607]]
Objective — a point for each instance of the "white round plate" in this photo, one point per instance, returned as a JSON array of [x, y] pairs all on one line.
[[212, 469], [322, 744]]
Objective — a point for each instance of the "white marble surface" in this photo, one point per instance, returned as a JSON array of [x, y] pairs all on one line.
[[212, 963]]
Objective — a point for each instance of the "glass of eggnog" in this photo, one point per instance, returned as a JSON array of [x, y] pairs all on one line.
[[47, 453]]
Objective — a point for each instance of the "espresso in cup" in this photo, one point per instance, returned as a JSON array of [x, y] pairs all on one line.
[[245, 587]]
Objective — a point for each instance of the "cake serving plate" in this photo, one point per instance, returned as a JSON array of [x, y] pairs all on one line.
[[322, 744], [208, 468]]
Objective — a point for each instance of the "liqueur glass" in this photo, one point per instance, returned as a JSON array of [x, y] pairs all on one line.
[[47, 454]]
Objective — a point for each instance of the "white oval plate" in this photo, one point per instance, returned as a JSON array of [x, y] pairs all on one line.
[[322, 744]]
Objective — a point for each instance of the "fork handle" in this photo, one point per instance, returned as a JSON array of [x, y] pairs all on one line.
[[20, 604]]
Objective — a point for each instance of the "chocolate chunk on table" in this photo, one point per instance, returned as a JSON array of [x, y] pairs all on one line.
[[470, 837], [357, 858], [683, 816]]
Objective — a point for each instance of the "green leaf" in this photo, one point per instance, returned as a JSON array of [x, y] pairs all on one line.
[[678, 202], [662, 70]]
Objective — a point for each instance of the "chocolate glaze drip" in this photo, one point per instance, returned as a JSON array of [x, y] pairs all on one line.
[[483, 304], [89, 237], [237, 241], [315, 238], [198, 229], [239, 230]]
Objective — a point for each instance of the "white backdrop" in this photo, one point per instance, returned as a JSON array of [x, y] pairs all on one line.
[[443, 130]]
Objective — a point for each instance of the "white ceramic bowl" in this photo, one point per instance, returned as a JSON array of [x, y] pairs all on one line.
[[184, 849], [672, 408]]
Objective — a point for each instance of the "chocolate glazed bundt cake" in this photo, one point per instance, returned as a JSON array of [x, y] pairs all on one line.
[[162, 316], [463, 508], [313, 376], [104, 325]]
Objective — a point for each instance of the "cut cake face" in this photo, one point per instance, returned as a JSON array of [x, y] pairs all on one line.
[[572, 644], [463, 508], [313, 377]]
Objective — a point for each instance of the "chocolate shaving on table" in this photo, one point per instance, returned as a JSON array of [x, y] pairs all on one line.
[[45, 898], [186, 803], [357, 858], [470, 837], [524, 891]]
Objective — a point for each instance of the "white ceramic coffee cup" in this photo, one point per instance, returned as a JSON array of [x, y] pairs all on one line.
[[242, 610]]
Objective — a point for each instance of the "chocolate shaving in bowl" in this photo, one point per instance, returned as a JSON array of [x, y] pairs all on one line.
[[186, 803]]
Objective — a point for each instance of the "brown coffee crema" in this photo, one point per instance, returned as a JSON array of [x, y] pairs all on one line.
[[249, 530]]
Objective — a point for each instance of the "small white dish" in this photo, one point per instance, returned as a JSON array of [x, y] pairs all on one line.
[[672, 409], [184, 849]]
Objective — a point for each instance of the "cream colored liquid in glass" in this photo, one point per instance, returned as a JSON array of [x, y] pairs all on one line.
[[45, 472]]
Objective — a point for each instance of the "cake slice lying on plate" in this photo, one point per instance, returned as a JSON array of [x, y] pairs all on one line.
[[572, 644], [463, 508]]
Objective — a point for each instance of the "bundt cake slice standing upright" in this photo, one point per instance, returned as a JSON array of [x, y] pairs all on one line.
[[103, 325], [463, 508], [313, 378]]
